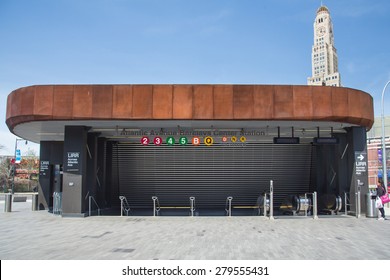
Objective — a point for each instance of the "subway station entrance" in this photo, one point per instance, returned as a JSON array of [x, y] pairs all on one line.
[[191, 149]]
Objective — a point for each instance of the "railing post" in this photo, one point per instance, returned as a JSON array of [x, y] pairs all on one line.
[[154, 198], [230, 198], [358, 206], [271, 200], [192, 202], [54, 202], [89, 201], [121, 198], [345, 204], [306, 204], [315, 215]]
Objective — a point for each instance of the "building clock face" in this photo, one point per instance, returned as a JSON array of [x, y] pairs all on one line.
[[321, 31]]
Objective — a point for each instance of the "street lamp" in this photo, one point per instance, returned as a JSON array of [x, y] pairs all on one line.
[[384, 157], [14, 165]]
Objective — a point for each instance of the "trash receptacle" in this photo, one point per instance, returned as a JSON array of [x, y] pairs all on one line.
[[371, 210], [34, 202], [8, 202]]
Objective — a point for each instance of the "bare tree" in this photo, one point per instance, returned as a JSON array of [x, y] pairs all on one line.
[[5, 176]]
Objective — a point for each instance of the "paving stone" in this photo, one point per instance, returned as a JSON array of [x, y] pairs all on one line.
[[39, 235]]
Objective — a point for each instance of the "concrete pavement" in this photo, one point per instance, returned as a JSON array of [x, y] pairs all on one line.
[[40, 235]]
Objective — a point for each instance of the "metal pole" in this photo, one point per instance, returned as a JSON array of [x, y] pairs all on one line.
[[384, 157], [307, 205], [358, 207], [89, 205], [154, 205], [14, 164], [192, 199], [55, 203], [345, 203], [230, 198], [271, 200], [121, 206], [265, 205], [315, 216], [14, 167]]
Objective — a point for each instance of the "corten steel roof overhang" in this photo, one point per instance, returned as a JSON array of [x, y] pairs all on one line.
[[32, 109]]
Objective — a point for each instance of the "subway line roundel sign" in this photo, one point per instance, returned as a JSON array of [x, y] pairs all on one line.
[[183, 141]]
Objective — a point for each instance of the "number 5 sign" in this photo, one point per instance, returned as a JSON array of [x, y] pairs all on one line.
[[183, 141]]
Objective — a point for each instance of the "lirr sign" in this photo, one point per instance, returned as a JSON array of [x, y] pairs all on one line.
[[360, 163]]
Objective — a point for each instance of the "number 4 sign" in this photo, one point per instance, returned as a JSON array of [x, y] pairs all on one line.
[[171, 141]]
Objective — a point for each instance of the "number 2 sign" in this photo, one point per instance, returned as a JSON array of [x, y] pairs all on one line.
[[145, 141]]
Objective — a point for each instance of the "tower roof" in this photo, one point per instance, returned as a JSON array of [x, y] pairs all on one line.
[[323, 9]]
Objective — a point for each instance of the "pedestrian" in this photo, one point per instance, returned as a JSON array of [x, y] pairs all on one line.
[[380, 190]]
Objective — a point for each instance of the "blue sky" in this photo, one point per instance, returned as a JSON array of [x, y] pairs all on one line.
[[186, 41]]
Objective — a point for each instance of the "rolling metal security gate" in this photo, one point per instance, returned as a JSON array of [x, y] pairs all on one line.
[[211, 174]]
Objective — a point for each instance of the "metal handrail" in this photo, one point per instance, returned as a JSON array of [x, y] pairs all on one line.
[[228, 206], [91, 198], [346, 204], [123, 206], [339, 204], [156, 206]]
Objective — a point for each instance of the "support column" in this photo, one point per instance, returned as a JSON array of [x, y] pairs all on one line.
[[74, 201], [92, 182], [102, 198], [358, 167], [51, 154]]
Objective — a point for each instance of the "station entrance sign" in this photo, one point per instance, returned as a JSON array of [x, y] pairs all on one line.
[[360, 163]]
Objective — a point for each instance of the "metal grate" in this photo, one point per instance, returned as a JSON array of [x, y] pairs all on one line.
[[174, 173]]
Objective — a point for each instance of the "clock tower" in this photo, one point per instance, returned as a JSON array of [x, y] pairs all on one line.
[[324, 55]]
